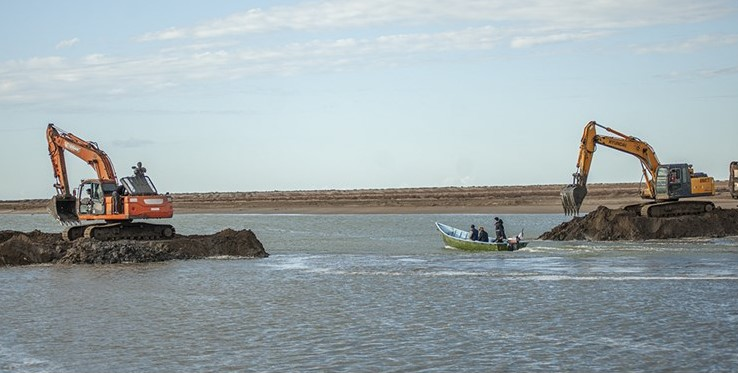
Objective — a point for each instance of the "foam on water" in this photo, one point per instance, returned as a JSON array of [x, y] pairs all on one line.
[[626, 278], [289, 262], [13, 359]]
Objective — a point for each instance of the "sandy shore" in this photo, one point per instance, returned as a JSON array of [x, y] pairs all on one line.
[[521, 199]]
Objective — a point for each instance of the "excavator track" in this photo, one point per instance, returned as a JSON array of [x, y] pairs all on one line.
[[129, 231], [119, 231], [671, 208], [74, 232]]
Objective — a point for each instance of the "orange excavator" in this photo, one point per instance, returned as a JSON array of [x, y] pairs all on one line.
[[106, 199], [665, 183]]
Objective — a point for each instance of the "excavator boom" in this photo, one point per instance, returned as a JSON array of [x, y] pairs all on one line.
[[60, 141]]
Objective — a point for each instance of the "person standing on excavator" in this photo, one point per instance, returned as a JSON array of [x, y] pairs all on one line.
[[116, 201], [139, 170]]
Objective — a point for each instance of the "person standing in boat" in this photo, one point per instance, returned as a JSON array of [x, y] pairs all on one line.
[[473, 233], [483, 236], [499, 230]]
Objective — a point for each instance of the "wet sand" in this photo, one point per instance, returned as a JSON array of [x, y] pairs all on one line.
[[520, 199]]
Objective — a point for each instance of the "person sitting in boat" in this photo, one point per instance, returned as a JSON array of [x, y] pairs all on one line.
[[473, 233], [483, 236], [499, 230]]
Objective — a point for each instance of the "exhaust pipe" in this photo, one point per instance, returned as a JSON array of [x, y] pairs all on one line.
[[572, 197], [63, 209]]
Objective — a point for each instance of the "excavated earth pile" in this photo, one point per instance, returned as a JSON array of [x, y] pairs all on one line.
[[19, 248], [606, 224]]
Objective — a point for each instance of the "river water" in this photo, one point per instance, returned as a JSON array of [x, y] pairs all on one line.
[[368, 293]]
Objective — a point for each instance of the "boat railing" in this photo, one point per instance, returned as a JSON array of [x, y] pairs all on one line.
[[453, 232], [460, 234]]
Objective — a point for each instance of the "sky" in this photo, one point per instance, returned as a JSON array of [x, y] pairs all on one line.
[[225, 96]]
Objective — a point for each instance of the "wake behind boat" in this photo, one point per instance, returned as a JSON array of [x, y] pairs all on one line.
[[459, 239]]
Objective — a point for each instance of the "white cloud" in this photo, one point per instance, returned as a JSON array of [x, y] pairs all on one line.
[[172, 66], [341, 14], [700, 74], [689, 45], [530, 41], [67, 43], [95, 59], [168, 34], [726, 71], [6, 87], [41, 62], [232, 47]]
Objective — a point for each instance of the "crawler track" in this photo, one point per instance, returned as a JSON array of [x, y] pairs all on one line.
[[671, 208], [120, 231]]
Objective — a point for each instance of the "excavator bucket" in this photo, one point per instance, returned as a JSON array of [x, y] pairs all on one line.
[[63, 209], [572, 197]]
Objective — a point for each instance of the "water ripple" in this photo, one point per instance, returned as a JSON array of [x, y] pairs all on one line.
[[347, 302]]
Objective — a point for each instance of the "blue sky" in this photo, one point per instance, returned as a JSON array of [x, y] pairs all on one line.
[[294, 95]]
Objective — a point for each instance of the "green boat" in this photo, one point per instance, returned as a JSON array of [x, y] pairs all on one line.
[[455, 238]]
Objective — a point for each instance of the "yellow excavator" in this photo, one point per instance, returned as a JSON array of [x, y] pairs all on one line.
[[665, 184]]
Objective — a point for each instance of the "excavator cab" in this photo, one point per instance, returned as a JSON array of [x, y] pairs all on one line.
[[675, 181], [91, 197], [672, 181]]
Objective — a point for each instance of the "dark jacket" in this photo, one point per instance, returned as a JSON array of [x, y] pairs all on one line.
[[499, 225], [499, 230], [474, 234]]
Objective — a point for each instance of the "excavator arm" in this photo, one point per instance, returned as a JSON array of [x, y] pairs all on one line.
[[573, 194], [88, 151], [63, 203]]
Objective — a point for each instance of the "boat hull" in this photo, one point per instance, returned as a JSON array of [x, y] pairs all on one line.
[[456, 239]]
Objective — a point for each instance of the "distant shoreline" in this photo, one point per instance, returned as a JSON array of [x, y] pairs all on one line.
[[522, 199]]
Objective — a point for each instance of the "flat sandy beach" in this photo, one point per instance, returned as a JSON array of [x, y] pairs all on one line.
[[520, 199]]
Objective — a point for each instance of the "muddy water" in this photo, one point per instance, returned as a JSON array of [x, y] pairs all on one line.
[[379, 293]]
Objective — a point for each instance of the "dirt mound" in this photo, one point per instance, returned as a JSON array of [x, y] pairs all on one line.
[[19, 248], [605, 224]]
